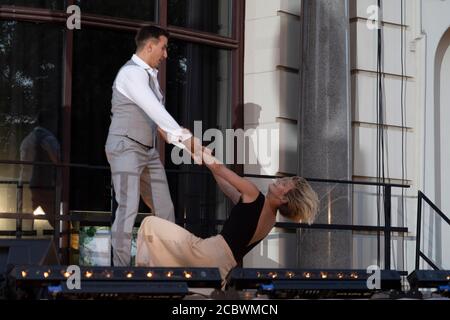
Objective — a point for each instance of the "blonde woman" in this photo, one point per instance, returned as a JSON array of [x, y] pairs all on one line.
[[162, 243]]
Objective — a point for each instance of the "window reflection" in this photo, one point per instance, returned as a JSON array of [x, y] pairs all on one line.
[[198, 86], [30, 80], [30, 104], [47, 4], [130, 9], [204, 15], [41, 145], [98, 55]]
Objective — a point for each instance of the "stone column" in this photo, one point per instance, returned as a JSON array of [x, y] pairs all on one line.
[[325, 129]]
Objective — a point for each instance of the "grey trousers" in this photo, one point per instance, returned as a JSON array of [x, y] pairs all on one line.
[[135, 171]]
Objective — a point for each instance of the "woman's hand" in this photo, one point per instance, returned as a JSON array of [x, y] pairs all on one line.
[[209, 160]]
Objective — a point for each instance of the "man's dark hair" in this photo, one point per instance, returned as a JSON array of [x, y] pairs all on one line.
[[149, 32]]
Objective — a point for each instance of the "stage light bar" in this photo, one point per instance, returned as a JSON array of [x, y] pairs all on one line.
[[429, 279], [194, 277], [300, 281]]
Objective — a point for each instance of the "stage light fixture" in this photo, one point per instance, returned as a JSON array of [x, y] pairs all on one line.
[[429, 278], [158, 279], [290, 274], [321, 282], [107, 274]]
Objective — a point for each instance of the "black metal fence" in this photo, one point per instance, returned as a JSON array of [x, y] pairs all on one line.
[[421, 197], [386, 229]]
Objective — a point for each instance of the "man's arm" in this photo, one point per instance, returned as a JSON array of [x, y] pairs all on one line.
[[194, 144], [191, 144]]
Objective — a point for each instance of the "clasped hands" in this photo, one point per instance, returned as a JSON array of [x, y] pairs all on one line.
[[200, 154]]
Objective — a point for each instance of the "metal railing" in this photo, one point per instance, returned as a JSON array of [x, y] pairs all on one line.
[[419, 254], [387, 229]]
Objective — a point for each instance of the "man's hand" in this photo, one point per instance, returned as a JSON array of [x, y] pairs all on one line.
[[193, 144], [177, 140]]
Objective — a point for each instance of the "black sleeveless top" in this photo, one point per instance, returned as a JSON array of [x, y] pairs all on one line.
[[241, 225]]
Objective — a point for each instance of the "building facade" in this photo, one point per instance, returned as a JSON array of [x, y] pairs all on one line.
[[384, 120]]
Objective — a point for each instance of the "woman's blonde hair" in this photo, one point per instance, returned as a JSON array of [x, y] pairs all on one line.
[[303, 203]]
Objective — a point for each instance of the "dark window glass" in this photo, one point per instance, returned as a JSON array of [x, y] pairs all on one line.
[[213, 16], [47, 4], [98, 56], [198, 89], [131, 9], [30, 104], [30, 82]]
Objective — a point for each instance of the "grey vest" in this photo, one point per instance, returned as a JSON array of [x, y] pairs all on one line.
[[128, 119]]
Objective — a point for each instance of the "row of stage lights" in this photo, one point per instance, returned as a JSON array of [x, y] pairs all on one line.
[[89, 274], [60, 273], [349, 279], [283, 274], [307, 275], [317, 275], [183, 274]]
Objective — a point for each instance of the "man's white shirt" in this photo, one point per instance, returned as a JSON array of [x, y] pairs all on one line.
[[132, 82]]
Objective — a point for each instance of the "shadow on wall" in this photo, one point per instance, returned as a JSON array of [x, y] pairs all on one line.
[[252, 116], [263, 146], [262, 255]]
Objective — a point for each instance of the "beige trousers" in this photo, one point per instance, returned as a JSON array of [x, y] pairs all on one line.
[[161, 243]]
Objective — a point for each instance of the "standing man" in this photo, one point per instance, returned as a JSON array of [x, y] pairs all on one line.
[[137, 112]]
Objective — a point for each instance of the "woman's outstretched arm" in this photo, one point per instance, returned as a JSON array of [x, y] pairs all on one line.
[[248, 191], [234, 186], [230, 191]]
